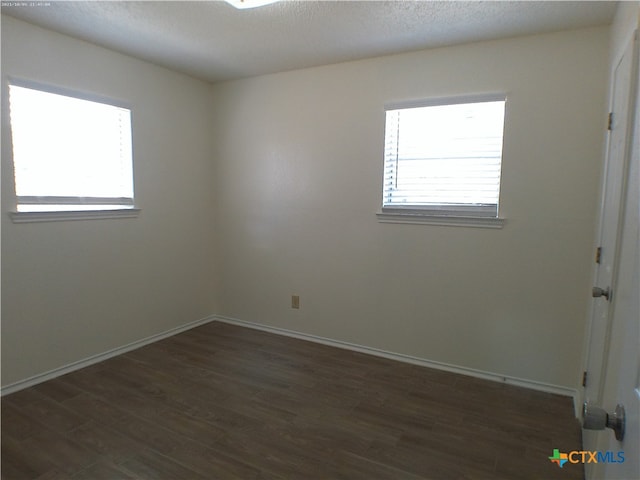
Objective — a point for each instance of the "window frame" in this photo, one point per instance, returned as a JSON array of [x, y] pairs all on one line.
[[124, 209], [460, 215]]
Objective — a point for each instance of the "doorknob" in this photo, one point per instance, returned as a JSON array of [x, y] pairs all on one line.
[[596, 418], [600, 292]]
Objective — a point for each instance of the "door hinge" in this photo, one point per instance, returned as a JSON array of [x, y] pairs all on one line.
[[584, 379], [598, 254], [610, 121]]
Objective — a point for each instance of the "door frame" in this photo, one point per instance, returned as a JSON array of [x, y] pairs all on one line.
[[632, 43]]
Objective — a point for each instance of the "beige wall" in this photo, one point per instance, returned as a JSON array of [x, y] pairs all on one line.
[[299, 166], [271, 190], [71, 290]]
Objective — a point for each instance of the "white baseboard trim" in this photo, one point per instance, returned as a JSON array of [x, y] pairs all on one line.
[[43, 377], [423, 362], [531, 384]]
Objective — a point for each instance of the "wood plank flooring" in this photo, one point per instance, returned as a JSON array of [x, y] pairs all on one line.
[[226, 402]]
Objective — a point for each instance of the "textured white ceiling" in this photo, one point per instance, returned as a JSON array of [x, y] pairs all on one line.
[[214, 41]]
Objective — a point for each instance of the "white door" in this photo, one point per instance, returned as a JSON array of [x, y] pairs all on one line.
[[620, 365], [610, 222]]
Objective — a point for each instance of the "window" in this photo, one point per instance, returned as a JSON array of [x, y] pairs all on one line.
[[443, 158], [70, 154]]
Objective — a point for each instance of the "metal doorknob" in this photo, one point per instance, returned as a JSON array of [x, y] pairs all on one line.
[[600, 292], [596, 418]]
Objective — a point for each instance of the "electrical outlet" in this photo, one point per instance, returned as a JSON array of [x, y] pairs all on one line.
[[295, 301]]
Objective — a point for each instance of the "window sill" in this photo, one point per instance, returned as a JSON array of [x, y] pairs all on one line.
[[447, 220], [58, 216]]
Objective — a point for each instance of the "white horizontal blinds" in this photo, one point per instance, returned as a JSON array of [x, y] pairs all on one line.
[[391, 151], [70, 151], [444, 157]]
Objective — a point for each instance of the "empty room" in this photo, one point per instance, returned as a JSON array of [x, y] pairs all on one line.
[[320, 240]]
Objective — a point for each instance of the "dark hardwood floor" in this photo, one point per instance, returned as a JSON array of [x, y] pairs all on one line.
[[225, 402]]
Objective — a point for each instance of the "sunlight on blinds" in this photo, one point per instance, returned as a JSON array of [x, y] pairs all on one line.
[[444, 155], [68, 148]]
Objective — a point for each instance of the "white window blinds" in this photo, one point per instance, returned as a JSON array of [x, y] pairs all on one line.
[[69, 153], [444, 159]]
